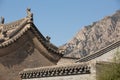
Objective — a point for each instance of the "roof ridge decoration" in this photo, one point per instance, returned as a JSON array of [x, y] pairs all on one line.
[[2, 20], [58, 70], [45, 42], [29, 15], [10, 32]]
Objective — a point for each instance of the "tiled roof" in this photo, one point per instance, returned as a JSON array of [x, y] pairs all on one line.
[[58, 70], [100, 52], [16, 29], [17, 32]]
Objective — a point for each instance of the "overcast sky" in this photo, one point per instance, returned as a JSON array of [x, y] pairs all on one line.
[[59, 19]]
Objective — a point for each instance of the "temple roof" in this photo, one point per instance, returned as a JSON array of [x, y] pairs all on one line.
[[11, 32], [9, 29]]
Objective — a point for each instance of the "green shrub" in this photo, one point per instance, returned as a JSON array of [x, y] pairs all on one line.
[[110, 71]]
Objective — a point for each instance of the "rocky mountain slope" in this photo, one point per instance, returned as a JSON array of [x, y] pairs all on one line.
[[94, 37]]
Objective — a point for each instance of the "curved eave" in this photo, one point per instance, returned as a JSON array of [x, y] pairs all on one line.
[[29, 26], [49, 46], [14, 39]]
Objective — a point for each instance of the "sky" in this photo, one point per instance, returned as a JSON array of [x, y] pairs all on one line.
[[59, 19]]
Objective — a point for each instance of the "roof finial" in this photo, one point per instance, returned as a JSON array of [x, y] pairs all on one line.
[[48, 38], [29, 14], [2, 20]]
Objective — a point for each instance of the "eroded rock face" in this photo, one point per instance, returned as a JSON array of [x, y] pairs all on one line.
[[94, 37]]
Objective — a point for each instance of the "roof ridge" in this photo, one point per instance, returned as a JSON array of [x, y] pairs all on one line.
[[12, 25], [47, 44], [11, 37], [61, 70]]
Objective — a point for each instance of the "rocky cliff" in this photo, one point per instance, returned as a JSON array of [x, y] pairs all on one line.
[[94, 37]]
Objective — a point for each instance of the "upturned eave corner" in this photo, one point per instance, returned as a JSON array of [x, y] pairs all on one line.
[[14, 31]]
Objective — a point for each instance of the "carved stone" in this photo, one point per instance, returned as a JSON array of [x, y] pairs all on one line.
[[48, 38], [29, 14], [2, 20]]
